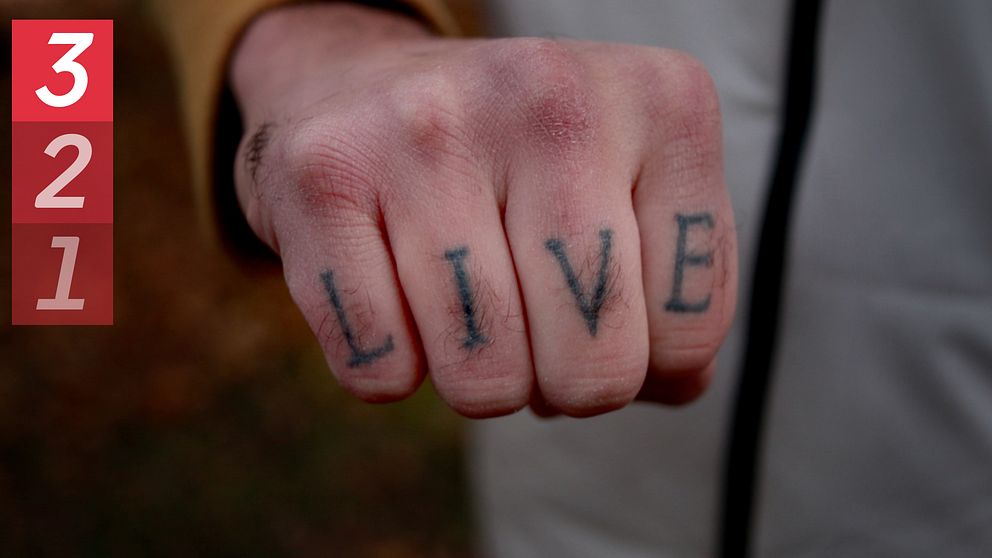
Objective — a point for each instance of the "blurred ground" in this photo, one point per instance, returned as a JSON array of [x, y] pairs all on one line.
[[204, 423]]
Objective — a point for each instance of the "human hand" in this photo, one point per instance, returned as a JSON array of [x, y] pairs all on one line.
[[526, 220]]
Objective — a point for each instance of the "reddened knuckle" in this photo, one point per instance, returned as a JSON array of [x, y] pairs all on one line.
[[555, 101], [327, 174], [428, 110], [560, 116]]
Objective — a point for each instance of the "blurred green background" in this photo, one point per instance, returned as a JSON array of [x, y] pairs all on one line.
[[205, 422]]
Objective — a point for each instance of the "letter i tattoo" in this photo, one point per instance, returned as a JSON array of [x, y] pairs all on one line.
[[473, 336]]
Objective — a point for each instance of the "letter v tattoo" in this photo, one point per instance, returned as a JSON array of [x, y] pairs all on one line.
[[589, 306], [358, 356]]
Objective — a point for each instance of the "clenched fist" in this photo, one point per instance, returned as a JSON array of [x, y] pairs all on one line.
[[525, 220]]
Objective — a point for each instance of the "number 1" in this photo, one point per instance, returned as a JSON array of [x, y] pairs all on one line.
[[70, 246]]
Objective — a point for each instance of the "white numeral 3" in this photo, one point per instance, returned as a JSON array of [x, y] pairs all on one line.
[[80, 42]]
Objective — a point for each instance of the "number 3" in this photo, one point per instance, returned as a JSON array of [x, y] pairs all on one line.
[[48, 198], [67, 63]]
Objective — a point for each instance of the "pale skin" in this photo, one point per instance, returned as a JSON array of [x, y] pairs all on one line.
[[527, 221]]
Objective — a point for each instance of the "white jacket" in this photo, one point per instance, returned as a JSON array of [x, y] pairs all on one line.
[[878, 428]]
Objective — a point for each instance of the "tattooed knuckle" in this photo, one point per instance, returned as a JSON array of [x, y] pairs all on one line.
[[253, 179], [328, 332], [609, 375], [590, 304], [347, 333], [252, 151]]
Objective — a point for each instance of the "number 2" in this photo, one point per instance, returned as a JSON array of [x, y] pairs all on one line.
[[80, 42], [48, 198], [70, 247]]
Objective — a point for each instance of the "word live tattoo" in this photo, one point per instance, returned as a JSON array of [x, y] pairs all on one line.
[[683, 258], [473, 336], [359, 357], [589, 306]]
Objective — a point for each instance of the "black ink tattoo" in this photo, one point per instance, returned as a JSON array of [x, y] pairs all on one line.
[[473, 335], [256, 148], [588, 305], [683, 258], [359, 357]]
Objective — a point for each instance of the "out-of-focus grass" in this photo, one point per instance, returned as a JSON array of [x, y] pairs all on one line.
[[204, 423]]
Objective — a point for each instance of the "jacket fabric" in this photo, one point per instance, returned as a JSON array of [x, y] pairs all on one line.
[[878, 423]]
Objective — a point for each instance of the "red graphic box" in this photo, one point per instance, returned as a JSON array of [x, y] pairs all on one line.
[[72, 61]]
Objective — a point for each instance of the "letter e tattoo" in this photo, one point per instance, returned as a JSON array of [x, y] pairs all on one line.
[[683, 258]]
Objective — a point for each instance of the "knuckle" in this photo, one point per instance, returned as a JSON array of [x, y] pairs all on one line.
[[555, 102], [690, 106], [326, 175], [395, 384], [253, 181], [538, 57], [679, 390], [603, 384], [684, 112], [493, 381], [395, 381], [250, 154], [687, 354], [692, 80], [428, 111], [486, 400]]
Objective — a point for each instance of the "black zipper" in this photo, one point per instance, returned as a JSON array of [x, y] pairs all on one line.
[[742, 460]]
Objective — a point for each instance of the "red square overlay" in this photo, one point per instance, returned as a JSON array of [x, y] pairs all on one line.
[[33, 171], [32, 59], [37, 269]]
